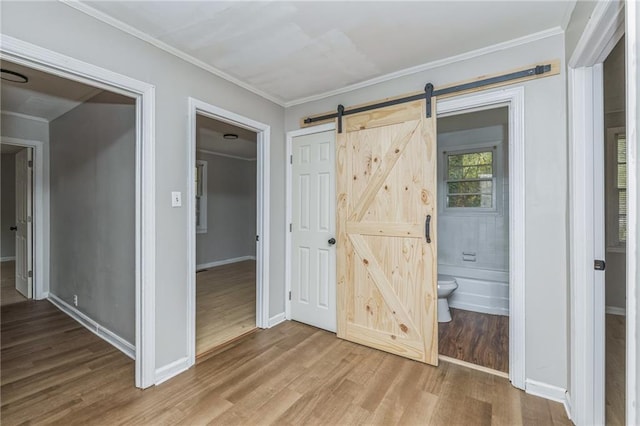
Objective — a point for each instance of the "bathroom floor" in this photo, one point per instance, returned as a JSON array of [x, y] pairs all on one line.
[[478, 338]]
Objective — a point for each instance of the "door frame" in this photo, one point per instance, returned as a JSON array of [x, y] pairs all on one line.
[[289, 205], [586, 207], [512, 97], [40, 251], [55, 63], [263, 134]]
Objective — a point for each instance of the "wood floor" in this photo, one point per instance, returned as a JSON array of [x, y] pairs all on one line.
[[8, 292], [615, 369], [55, 371], [478, 338], [225, 304]]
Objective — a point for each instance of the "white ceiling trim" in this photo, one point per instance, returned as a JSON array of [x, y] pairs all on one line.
[[25, 116], [219, 154], [431, 65], [82, 7]]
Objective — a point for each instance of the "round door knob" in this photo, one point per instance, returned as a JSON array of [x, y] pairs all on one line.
[[331, 241]]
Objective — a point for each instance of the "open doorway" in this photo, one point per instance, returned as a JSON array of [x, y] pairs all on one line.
[[473, 243], [82, 144], [16, 224], [615, 212], [226, 217]]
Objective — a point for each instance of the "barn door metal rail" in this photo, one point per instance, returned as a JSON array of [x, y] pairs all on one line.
[[429, 92]]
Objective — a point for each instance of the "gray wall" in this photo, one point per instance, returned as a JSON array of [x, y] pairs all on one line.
[[231, 210], [614, 114], [55, 26], [546, 230], [93, 210], [8, 213]]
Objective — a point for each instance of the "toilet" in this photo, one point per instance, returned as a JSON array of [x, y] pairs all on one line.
[[446, 285]]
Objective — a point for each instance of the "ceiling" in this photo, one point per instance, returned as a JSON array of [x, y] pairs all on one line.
[[44, 96], [289, 51], [210, 138]]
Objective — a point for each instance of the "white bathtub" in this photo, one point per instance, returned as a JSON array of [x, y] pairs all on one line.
[[479, 290]]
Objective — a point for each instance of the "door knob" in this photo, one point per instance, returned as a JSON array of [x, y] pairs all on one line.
[[331, 241], [13, 228]]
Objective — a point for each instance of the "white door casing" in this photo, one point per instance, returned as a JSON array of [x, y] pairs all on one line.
[[313, 263], [24, 213]]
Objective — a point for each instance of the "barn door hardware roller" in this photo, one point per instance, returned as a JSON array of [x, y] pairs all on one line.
[[429, 92]]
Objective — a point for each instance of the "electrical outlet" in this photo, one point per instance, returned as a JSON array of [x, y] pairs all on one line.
[[75, 300]]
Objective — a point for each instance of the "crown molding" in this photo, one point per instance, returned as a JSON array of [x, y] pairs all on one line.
[[109, 20], [25, 116], [219, 154], [433, 64], [84, 8]]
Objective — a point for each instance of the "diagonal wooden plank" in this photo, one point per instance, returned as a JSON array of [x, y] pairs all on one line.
[[390, 297], [380, 175]]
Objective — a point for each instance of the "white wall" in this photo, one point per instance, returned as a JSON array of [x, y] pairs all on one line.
[[58, 27], [8, 214], [231, 210], [545, 181]]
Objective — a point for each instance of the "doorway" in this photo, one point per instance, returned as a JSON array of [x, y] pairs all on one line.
[[225, 214], [473, 243], [260, 164], [615, 225], [141, 94], [17, 224]]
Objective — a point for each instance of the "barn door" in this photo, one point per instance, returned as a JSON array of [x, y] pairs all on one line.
[[387, 268]]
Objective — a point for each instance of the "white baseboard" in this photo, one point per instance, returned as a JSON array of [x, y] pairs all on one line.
[[545, 390], [7, 258], [223, 262], [171, 370], [567, 405], [277, 319], [99, 330], [614, 310]]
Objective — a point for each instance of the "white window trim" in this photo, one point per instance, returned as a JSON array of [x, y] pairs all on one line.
[[202, 229], [611, 203], [498, 179]]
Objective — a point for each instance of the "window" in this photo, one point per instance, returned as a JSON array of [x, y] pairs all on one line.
[[470, 179], [201, 197], [617, 188]]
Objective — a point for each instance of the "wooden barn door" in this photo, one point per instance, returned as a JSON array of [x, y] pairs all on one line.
[[387, 271]]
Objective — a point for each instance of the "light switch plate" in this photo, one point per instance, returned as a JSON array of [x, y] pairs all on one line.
[[176, 199]]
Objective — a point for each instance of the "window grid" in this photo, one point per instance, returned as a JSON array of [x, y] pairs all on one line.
[[470, 179]]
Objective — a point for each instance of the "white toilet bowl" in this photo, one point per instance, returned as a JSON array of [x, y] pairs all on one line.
[[446, 285]]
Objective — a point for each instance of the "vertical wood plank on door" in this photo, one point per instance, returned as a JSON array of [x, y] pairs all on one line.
[[387, 273]]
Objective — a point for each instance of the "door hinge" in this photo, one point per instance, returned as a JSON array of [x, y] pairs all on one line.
[[29, 219], [291, 159], [30, 163], [289, 295], [257, 237], [30, 274], [599, 265], [291, 227]]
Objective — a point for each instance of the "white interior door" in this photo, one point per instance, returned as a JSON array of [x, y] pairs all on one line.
[[313, 257], [24, 233]]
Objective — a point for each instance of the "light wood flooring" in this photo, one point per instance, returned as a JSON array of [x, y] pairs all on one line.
[[225, 304], [478, 338], [8, 292], [615, 369], [55, 371]]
